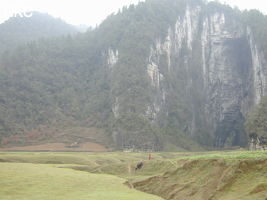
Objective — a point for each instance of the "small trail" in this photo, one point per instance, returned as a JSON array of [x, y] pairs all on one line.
[[129, 169]]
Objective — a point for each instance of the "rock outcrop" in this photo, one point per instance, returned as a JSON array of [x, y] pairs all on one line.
[[211, 67]]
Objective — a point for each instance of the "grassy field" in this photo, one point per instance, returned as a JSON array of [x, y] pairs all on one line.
[[26, 181], [106, 176]]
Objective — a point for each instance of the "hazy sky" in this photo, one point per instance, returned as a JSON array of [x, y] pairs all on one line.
[[91, 12]]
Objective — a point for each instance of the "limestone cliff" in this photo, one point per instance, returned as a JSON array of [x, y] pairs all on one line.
[[209, 72]]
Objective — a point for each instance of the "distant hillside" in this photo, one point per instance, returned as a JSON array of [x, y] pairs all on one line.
[[19, 30]]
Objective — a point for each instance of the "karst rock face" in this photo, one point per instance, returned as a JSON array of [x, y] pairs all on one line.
[[209, 66]]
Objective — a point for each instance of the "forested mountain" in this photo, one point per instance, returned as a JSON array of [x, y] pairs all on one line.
[[20, 29], [161, 75]]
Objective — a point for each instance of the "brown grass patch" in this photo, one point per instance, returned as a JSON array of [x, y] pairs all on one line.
[[260, 188]]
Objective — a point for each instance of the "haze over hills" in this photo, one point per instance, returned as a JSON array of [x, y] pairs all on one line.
[[21, 29], [161, 75]]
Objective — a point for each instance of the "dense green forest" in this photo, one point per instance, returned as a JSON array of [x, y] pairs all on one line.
[[257, 119], [66, 79]]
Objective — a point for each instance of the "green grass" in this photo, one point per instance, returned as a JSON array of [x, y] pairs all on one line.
[[97, 176], [25, 181], [228, 155]]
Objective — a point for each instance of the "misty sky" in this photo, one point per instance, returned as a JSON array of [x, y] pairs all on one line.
[[91, 12]]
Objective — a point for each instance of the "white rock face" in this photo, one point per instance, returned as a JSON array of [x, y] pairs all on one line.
[[150, 113], [186, 28], [204, 43], [213, 35], [217, 24], [220, 80], [113, 57], [259, 72], [153, 66], [155, 76], [183, 33], [167, 46], [153, 73], [115, 108], [223, 73]]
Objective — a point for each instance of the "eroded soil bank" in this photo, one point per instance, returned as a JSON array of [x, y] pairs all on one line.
[[211, 179]]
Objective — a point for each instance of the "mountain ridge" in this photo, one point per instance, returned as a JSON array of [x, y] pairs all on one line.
[[20, 29]]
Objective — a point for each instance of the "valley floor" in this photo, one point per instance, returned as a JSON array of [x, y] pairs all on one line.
[[229, 175]]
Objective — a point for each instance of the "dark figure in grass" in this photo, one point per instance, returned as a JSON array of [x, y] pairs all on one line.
[[139, 165]]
